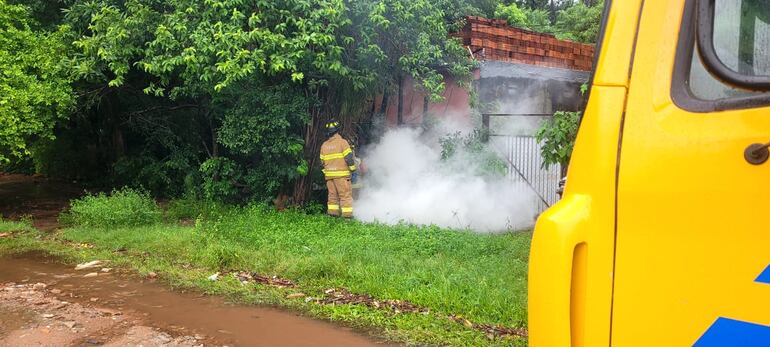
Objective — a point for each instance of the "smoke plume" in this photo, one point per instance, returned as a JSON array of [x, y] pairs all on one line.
[[407, 181]]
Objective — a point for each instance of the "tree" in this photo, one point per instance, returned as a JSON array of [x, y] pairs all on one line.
[[580, 22], [409, 38], [242, 88], [539, 20], [35, 90], [515, 16], [526, 18]]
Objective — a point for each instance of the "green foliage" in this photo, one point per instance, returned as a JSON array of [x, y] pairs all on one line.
[[539, 20], [262, 131], [515, 16], [471, 150], [123, 207], [169, 176], [580, 22], [584, 88], [576, 22], [226, 89], [190, 208], [557, 137], [409, 37], [35, 90], [8, 226], [220, 178]]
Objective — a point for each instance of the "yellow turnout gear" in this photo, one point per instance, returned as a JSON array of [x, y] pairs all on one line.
[[338, 164]]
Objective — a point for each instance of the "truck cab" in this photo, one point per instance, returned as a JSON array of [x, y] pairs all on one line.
[[662, 236]]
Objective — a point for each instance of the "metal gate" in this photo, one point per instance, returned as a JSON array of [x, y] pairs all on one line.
[[522, 154]]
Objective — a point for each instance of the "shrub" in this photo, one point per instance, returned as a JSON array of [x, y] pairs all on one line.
[[123, 207], [471, 150], [557, 137], [191, 208]]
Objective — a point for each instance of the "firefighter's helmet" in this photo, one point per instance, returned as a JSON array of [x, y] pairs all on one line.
[[332, 127]]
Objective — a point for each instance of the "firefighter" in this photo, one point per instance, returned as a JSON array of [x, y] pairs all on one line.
[[338, 165]]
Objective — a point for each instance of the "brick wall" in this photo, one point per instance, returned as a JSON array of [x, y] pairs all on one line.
[[494, 39]]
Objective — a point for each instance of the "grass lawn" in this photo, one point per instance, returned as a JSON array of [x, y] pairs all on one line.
[[479, 277]]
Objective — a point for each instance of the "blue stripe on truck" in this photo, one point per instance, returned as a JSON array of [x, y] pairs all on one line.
[[731, 332], [764, 277]]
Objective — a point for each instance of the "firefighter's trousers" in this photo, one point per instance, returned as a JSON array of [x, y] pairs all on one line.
[[340, 197]]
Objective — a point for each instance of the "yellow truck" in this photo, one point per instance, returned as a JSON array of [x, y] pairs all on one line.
[[662, 237]]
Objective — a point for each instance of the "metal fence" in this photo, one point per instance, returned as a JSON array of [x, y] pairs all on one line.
[[525, 163]]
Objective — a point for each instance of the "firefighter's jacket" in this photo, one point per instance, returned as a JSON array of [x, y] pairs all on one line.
[[337, 158]]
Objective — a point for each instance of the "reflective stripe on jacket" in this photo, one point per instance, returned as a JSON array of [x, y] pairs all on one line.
[[337, 158]]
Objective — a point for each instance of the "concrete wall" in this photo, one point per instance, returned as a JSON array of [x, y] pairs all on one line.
[[504, 89], [519, 97]]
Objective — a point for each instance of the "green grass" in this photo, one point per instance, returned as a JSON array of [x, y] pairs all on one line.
[[123, 207], [481, 277], [7, 226]]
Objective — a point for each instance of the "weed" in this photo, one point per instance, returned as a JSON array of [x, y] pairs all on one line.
[[123, 207], [190, 209], [24, 225]]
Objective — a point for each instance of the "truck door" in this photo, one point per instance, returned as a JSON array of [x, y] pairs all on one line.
[[692, 261]]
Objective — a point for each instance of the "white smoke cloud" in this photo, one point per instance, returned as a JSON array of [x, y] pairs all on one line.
[[408, 182]]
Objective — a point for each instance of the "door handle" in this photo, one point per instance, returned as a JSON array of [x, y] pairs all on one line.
[[757, 153]]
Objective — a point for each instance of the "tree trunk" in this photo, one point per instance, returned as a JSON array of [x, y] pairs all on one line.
[[553, 11], [313, 140], [303, 184], [374, 108], [425, 104], [385, 101], [400, 118]]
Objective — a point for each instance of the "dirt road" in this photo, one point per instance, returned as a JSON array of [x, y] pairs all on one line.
[[44, 303]]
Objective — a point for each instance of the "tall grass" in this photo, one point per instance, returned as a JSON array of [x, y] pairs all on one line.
[[479, 276], [24, 225], [123, 207]]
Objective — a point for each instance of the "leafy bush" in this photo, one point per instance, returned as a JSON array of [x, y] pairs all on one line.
[[525, 18], [191, 208], [515, 16], [471, 150], [124, 207], [220, 178], [557, 137]]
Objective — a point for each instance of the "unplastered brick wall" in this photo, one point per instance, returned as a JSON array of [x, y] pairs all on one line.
[[494, 39]]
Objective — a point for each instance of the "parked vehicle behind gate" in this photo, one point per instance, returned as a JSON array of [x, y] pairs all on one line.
[[662, 236]]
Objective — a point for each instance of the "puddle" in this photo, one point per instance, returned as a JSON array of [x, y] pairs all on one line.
[[12, 319], [183, 313]]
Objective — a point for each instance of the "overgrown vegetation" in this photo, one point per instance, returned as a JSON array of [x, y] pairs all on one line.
[[122, 208], [567, 21], [7, 226], [557, 138], [480, 278], [471, 151], [222, 99], [35, 91]]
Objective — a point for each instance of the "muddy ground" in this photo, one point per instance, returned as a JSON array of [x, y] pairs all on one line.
[[44, 303], [35, 197]]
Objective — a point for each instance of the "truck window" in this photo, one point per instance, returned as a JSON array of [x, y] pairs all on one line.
[[740, 35]]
